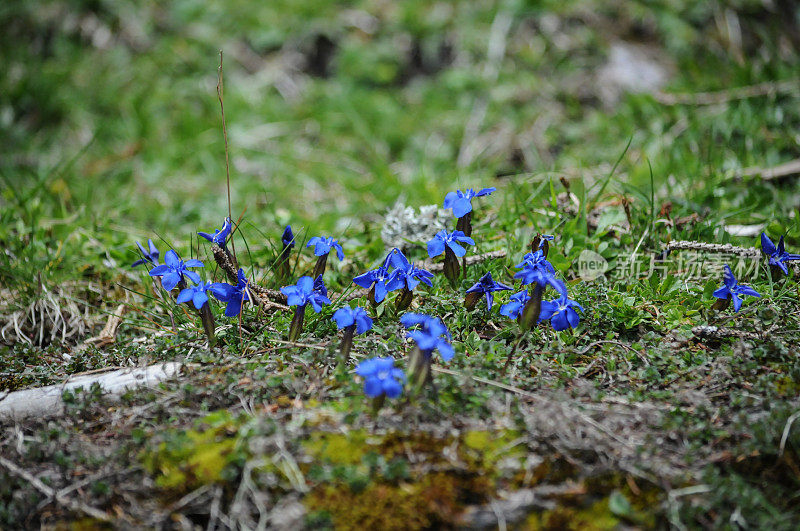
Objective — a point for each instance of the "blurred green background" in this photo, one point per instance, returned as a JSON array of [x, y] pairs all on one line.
[[111, 127]]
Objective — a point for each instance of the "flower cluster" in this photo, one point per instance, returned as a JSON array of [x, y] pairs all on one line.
[[307, 291], [173, 271], [396, 272]]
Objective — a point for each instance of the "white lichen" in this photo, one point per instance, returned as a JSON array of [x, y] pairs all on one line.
[[404, 227]]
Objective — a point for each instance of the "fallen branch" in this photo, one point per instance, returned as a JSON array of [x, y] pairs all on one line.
[[722, 96], [775, 172], [45, 401]]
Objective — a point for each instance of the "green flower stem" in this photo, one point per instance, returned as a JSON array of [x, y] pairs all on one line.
[[297, 323]]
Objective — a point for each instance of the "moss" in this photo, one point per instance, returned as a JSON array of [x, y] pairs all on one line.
[[380, 501], [187, 459], [486, 448], [338, 448], [787, 387], [596, 517], [435, 500]]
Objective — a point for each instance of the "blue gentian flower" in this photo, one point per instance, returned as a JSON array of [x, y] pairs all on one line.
[[150, 257], [173, 270], [405, 274], [433, 336], [514, 306], [777, 256], [220, 235], [733, 290], [323, 245], [288, 237], [233, 295], [381, 377], [357, 316], [452, 240], [376, 277], [562, 311], [196, 294], [461, 202], [536, 269], [307, 290], [487, 286]]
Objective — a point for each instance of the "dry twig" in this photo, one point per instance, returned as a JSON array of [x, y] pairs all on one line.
[[58, 496]]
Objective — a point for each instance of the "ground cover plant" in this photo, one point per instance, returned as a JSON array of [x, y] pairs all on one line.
[[563, 295]]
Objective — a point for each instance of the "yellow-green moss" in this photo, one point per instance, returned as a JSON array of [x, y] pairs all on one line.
[[337, 448], [186, 459], [435, 500], [786, 386], [596, 517]]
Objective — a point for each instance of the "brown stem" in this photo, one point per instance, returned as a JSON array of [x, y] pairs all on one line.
[[207, 318], [532, 309], [403, 300], [464, 224], [346, 345], [471, 300], [319, 268], [452, 269], [297, 323]]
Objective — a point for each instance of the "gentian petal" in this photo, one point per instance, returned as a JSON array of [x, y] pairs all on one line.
[[373, 387], [306, 284], [222, 291], [461, 207], [199, 299], [435, 247], [343, 317], [185, 295], [391, 388], [171, 259], [234, 306], [170, 280], [450, 199], [445, 350], [380, 291], [559, 321], [157, 271], [194, 277], [573, 317], [737, 302], [766, 244]]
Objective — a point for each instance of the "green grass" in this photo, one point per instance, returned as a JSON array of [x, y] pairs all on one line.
[[112, 133]]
